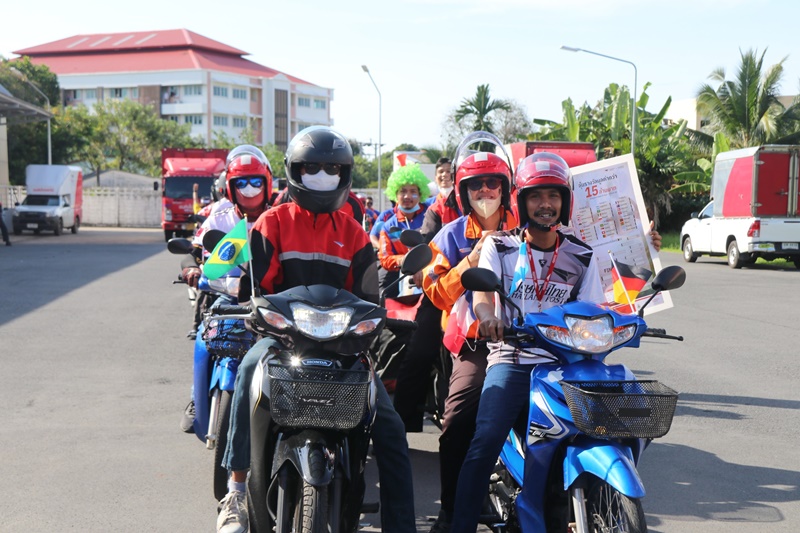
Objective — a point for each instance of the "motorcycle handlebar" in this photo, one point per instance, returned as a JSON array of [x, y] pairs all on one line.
[[660, 333], [396, 323], [231, 310]]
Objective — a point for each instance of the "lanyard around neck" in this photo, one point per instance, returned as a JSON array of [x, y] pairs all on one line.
[[541, 291]]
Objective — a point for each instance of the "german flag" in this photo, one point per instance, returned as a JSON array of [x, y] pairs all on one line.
[[628, 280]]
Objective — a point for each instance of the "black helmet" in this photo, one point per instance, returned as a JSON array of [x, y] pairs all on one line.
[[322, 145]]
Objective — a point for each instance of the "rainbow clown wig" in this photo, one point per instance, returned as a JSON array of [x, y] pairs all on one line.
[[407, 175]]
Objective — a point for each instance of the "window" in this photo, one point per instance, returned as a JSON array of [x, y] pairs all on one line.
[[254, 95], [193, 119], [281, 118], [320, 104], [239, 122], [192, 90], [118, 93], [240, 94], [173, 118], [77, 94], [90, 94], [220, 120], [220, 91], [303, 101], [135, 92]]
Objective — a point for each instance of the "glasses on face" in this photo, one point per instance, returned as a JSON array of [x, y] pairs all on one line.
[[330, 168], [477, 184], [241, 183]]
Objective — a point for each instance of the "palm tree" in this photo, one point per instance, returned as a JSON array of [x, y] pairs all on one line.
[[747, 109], [479, 108]]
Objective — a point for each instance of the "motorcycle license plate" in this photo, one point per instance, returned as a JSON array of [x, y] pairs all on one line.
[[33, 226], [790, 246]]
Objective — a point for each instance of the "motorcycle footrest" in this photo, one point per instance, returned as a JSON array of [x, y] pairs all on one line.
[[370, 507]]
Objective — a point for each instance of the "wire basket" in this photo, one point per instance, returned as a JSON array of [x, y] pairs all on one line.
[[228, 337], [318, 397], [621, 409]]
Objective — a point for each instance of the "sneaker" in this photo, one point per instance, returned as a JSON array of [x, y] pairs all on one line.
[[442, 523], [232, 513], [187, 421]]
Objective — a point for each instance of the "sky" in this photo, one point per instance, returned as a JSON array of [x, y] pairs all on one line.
[[426, 56]]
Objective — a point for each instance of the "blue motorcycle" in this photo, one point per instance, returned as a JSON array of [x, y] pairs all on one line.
[[570, 465]]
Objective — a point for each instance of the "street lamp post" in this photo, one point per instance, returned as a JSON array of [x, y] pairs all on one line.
[[380, 192], [24, 78], [635, 88]]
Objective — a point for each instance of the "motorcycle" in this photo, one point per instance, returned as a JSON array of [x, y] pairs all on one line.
[[571, 465], [313, 405], [219, 347]]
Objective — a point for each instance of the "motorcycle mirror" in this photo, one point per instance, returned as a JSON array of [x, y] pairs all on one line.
[[180, 246], [670, 278], [212, 238], [416, 259], [411, 237], [480, 280]]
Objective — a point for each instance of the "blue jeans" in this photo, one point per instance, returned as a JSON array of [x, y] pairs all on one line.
[[388, 438], [504, 396]]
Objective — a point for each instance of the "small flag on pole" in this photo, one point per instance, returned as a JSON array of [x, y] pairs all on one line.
[[231, 251], [628, 280]]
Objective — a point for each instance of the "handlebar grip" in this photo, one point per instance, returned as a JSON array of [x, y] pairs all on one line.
[[397, 323], [231, 310], [656, 331]]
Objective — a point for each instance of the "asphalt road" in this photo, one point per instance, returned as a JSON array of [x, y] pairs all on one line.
[[96, 371]]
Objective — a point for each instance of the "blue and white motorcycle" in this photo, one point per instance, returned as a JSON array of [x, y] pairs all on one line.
[[570, 466]]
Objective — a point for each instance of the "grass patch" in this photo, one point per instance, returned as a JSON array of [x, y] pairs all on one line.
[[670, 241]]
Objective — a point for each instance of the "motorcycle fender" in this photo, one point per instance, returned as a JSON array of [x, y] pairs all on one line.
[[224, 375], [297, 449], [607, 460]]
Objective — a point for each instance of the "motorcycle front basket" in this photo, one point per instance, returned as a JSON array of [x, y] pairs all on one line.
[[315, 397], [228, 337], [621, 409]]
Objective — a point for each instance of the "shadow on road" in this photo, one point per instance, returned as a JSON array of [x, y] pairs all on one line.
[[57, 265], [698, 486]]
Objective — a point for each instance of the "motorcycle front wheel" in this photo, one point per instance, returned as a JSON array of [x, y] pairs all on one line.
[[311, 511], [609, 510], [221, 431]]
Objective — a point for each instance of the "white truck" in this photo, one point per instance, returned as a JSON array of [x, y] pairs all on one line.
[[754, 208], [53, 201]]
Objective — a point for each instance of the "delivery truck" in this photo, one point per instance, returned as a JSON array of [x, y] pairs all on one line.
[[53, 201], [753, 210], [181, 170]]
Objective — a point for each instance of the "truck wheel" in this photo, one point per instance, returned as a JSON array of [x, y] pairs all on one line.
[[735, 258], [59, 227], [168, 235], [75, 226], [688, 252]]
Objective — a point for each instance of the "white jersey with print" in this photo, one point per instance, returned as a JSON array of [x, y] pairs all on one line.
[[575, 276]]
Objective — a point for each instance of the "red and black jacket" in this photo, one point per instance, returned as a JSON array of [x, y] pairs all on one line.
[[292, 246]]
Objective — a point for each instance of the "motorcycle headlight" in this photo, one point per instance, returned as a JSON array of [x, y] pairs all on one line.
[[319, 324], [276, 320], [595, 335], [227, 285]]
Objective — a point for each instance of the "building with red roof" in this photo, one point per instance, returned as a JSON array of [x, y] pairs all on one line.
[[190, 78]]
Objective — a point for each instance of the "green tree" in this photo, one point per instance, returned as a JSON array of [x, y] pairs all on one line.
[[477, 111], [699, 181], [746, 109]]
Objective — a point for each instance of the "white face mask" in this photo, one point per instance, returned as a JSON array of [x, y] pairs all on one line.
[[249, 191], [486, 207], [321, 181], [445, 191]]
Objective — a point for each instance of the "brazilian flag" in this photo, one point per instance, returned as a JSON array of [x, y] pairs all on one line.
[[231, 251]]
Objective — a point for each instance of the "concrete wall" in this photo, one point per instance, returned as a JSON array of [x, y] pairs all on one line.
[[132, 208]]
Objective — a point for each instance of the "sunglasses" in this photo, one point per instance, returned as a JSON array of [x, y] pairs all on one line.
[[477, 184], [241, 183], [330, 168]]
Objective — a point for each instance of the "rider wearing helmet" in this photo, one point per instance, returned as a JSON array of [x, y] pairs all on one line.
[[246, 167], [540, 267], [483, 193], [308, 241], [445, 207]]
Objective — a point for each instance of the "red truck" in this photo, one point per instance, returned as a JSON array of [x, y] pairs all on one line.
[[181, 168]]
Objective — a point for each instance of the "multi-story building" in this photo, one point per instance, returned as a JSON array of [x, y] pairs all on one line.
[[191, 79]]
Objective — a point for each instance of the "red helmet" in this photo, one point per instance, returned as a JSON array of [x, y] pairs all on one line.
[[479, 165], [544, 170], [248, 162]]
